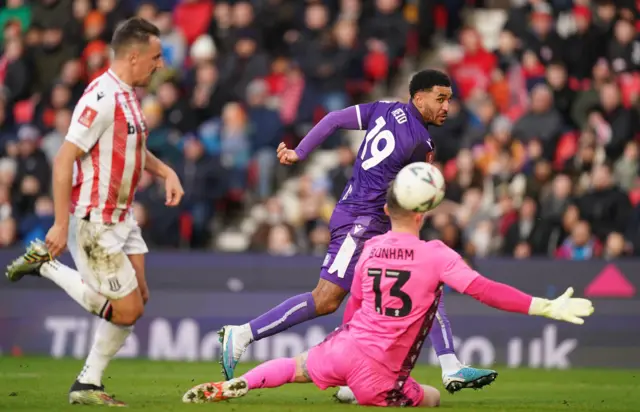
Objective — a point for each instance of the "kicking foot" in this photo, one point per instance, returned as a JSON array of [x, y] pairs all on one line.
[[234, 341], [87, 394], [29, 263], [468, 377], [216, 391]]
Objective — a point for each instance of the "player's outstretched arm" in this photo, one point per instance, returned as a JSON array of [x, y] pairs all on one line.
[[505, 297], [350, 118], [455, 272]]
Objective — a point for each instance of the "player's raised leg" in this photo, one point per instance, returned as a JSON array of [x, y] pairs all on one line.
[[455, 375], [271, 374], [336, 276], [36, 261]]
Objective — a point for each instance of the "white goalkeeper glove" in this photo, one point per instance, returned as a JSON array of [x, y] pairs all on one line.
[[564, 308]]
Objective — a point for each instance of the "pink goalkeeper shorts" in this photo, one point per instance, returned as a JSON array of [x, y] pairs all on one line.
[[338, 362]]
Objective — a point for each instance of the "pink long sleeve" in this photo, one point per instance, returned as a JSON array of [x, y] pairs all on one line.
[[499, 295]]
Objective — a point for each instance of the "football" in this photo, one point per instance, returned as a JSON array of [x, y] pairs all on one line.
[[419, 187]]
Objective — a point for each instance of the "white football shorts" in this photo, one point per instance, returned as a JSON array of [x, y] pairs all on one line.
[[100, 254]]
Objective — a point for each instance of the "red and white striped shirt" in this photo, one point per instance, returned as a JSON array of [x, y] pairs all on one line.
[[108, 125]]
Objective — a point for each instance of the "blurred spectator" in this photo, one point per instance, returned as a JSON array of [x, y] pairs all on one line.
[[49, 13], [8, 232], [542, 121], [209, 94], [615, 247], [115, 11], [528, 229], [235, 149], [6, 210], [627, 167], [613, 124], [472, 72], [280, 241], [15, 71], [385, 33], [266, 131], [174, 44], [245, 63], [556, 202], [623, 48], [467, 176], [15, 11], [71, 76], [33, 175], [50, 57], [541, 36], [35, 226], [201, 176], [162, 139], [563, 95], [53, 140], [193, 17], [585, 46], [581, 245], [605, 206], [176, 110], [541, 133]]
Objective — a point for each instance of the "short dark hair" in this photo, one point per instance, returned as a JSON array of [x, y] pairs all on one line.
[[132, 31], [393, 206], [427, 79]]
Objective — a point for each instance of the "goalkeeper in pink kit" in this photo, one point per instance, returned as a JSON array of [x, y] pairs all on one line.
[[396, 290]]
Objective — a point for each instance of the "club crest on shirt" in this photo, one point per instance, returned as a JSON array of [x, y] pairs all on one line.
[[87, 117]]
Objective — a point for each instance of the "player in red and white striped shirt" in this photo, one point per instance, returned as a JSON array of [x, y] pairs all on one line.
[[95, 176]]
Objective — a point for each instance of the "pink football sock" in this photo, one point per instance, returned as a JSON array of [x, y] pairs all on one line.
[[272, 374]]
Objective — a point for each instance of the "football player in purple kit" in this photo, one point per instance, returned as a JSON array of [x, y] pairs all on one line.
[[396, 135]]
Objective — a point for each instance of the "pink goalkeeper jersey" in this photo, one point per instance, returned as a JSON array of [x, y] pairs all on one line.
[[399, 280]]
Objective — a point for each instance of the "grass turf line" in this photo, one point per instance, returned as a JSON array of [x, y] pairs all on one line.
[[41, 384]]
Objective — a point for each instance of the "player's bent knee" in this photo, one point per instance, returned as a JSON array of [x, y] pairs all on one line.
[[327, 297], [431, 397], [302, 373], [128, 310]]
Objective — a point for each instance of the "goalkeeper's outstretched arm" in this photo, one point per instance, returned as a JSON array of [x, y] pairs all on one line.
[[508, 298], [455, 272]]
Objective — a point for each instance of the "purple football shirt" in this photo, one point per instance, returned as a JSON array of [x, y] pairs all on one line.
[[396, 136]]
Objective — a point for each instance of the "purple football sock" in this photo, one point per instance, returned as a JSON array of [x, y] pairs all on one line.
[[289, 313], [441, 336]]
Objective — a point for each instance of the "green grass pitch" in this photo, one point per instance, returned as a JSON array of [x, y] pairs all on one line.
[[41, 384]]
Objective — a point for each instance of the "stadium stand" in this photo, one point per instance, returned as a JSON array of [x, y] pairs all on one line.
[[540, 150]]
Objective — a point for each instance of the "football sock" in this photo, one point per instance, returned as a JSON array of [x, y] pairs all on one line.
[[71, 282], [289, 313], [271, 374], [107, 342], [441, 339]]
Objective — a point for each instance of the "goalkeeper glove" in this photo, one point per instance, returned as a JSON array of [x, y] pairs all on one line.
[[564, 308]]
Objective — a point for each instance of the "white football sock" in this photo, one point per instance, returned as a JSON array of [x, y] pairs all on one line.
[[107, 342], [72, 283], [449, 363], [246, 333]]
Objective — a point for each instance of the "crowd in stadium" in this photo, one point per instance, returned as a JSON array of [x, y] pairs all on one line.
[[540, 150]]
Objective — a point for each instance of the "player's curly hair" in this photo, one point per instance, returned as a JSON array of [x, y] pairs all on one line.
[[132, 31], [425, 80]]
